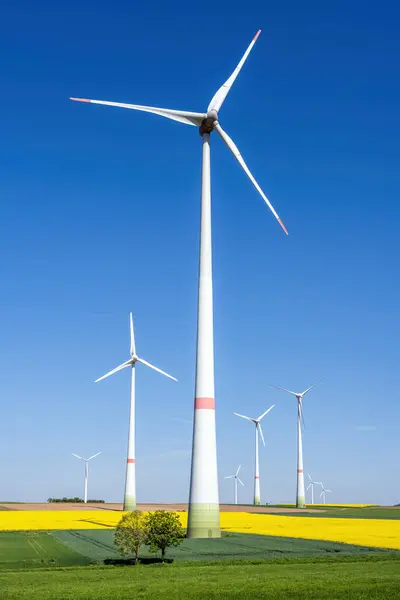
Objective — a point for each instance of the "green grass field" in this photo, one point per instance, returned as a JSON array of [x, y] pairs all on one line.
[[358, 580], [60, 565]]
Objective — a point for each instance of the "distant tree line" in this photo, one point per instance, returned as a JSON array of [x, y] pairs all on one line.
[[74, 500]]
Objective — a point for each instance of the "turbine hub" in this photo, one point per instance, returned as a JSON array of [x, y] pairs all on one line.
[[209, 122]]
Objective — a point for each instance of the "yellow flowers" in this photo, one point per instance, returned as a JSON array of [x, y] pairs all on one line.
[[334, 505], [378, 533], [23, 520]]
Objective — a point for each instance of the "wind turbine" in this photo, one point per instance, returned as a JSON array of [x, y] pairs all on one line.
[[322, 494], [256, 468], [311, 485], [203, 511], [130, 478], [86, 460], [300, 494], [237, 479]]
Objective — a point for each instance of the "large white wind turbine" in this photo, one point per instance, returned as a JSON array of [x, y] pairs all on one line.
[[324, 490], [300, 493], [86, 461], [130, 479], [203, 513], [256, 463], [237, 479]]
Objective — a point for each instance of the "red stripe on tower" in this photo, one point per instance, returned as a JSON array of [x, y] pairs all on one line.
[[204, 403], [131, 460], [300, 470], [256, 477], [256, 36]]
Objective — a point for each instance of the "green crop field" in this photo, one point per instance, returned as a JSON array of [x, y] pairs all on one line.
[[351, 513], [98, 545], [338, 580], [29, 550]]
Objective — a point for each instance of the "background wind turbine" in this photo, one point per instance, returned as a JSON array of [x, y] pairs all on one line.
[[256, 465], [86, 460], [237, 479], [203, 512], [311, 485], [130, 479], [300, 494], [324, 490]]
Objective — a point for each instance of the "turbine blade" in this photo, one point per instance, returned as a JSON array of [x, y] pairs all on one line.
[[229, 477], [77, 456], [261, 433], [243, 417], [125, 364], [144, 362], [265, 413], [237, 472], [220, 96], [309, 477], [283, 389], [235, 151], [310, 388], [189, 118], [327, 490], [321, 494], [133, 346], [309, 485], [94, 456], [240, 481]]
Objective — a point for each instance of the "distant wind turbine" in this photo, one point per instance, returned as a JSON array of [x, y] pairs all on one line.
[[236, 478], [256, 465], [203, 510], [311, 485], [300, 494], [86, 460], [130, 479], [324, 490]]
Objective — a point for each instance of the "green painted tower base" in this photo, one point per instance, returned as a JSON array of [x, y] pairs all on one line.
[[203, 521], [301, 502], [129, 503], [257, 501]]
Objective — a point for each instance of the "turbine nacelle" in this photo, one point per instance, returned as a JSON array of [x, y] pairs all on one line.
[[209, 122]]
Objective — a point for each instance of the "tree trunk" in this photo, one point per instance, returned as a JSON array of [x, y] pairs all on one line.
[[136, 557], [162, 554]]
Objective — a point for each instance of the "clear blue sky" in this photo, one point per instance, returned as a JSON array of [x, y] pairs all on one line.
[[100, 216]]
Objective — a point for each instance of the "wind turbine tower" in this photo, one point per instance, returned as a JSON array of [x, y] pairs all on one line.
[[257, 497], [86, 461], [203, 512], [300, 494], [130, 478]]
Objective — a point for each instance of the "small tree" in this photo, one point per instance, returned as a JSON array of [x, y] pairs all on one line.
[[163, 529], [130, 534]]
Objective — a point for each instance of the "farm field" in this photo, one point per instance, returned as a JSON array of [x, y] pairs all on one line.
[[370, 532], [357, 580]]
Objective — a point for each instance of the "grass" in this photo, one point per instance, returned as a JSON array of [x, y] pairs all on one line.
[[29, 550], [339, 580]]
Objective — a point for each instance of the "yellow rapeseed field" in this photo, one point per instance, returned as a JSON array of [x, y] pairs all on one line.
[[379, 533]]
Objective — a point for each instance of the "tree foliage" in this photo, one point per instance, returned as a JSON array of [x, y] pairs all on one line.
[[163, 529], [130, 534]]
